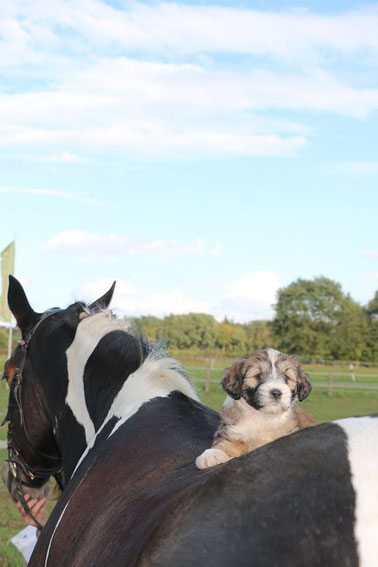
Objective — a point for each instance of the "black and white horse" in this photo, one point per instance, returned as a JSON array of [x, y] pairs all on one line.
[[125, 425]]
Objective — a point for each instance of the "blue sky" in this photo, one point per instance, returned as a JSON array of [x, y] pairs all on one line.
[[203, 154]]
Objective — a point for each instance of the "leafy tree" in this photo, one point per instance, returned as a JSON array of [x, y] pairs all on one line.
[[193, 330], [259, 335], [372, 340], [232, 338], [149, 326], [372, 307], [348, 339], [315, 318], [3, 338]]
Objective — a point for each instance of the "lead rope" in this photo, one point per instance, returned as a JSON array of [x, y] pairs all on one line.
[[21, 496]]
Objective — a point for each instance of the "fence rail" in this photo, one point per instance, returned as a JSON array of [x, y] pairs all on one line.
[[203, 376], [315, 384]]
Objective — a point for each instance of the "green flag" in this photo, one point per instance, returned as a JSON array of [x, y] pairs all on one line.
[[7, 268]]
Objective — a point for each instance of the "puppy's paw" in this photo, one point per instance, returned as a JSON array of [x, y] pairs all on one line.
[[211, 458]]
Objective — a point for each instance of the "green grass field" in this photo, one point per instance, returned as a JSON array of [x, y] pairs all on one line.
[[348, 399]]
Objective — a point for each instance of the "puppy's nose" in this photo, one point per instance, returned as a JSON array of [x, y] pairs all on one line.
[[276, 393]]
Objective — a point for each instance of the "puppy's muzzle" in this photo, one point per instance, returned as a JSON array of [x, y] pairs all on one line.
[[276, 393]]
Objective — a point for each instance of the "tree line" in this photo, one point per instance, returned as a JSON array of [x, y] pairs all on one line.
[[312, 318]]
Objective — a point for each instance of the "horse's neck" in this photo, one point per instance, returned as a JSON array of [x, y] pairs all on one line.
[[109, 379], [71, 440], [155, 378], [100, 358]]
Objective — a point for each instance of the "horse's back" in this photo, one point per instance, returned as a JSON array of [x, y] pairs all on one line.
[[290, 503]]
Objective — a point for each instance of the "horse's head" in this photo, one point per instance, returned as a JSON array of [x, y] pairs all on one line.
[[23, 472], [34, 375]]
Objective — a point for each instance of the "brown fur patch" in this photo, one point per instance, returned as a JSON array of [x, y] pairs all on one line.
[[233, 378], [304, 419], [232, 448], [251, 381]]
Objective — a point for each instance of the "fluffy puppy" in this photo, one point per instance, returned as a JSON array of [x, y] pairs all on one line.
[[260, 406]]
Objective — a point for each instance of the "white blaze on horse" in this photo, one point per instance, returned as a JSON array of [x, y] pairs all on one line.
[[119, 426]]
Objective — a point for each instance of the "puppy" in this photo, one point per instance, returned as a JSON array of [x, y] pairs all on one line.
[[260, 407]]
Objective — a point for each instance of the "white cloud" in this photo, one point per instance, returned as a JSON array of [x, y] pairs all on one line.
[[173, 301], [156, 108], [188, 102], [163, 113], [372, 254], [251, 297], [49, 193], [62, 157], [129, 301], [166, 26], [113, 246], [248, 298], [353, 167], [217, 249], [156, 142]]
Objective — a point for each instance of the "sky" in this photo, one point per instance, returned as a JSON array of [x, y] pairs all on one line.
[[202, 154]]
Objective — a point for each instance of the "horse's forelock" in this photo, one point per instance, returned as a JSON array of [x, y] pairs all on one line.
[[95, 317]]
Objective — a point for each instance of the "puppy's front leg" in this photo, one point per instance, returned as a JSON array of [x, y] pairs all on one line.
[[221, 452], [211, 458]]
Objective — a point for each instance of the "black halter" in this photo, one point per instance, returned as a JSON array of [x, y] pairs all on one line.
[[15, 459]]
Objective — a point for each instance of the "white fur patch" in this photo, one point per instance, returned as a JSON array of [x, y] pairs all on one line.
[[270, 405], [362, 433], [211, 458], [156, 377], [252, 423], [89, 332], [272, 356]]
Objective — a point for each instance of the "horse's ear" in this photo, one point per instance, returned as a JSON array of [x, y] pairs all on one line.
[[19, 305], [103, 301]]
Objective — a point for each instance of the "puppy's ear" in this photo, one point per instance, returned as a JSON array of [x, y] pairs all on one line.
[[303, 385], [232, 381]]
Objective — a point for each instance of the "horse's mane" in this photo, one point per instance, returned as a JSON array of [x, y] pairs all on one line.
[[152, 355]]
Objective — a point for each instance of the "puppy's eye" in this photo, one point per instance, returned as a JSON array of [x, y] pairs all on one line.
[[259, 376]]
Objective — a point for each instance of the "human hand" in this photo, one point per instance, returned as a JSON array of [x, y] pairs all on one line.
[[37, 508]]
